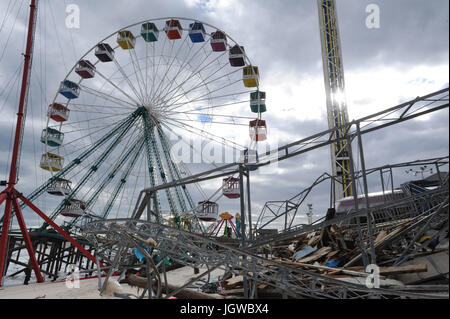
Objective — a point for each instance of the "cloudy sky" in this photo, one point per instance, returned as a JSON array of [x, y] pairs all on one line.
[[407, 56]]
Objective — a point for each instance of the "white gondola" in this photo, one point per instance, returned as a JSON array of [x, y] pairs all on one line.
[[230, 187], [73, 208], [207, 211], [59, 187], [250, 159]]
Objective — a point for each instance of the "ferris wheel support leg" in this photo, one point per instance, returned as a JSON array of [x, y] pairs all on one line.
[[26, 238], [172, 172], [175, 174], [121, 184], [151, 170], [152, 141], [101, 159]]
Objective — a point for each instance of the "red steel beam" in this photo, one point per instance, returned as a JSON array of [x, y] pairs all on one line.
[[26, 237], [4, 236]]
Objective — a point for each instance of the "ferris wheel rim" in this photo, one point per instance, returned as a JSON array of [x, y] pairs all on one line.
[[81, 80]]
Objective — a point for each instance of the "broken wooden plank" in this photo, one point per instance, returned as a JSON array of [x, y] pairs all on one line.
[[381, 242], [380, 236], [234, 281], [314, 240], [316, 255]]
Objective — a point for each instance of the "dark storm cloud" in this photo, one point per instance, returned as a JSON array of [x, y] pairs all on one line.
[[412, 32]]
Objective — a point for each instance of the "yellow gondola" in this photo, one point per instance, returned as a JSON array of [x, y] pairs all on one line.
[[251, 76], [126, 39], [52, 162]]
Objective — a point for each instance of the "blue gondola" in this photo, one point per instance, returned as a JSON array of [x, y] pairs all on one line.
[[69, 89], [197, 32]]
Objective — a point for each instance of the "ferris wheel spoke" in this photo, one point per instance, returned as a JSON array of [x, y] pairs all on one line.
[[77, 110], [106, 97], [171, 108], [115, 168], [118, 88], [174, 58], [203, 133], [216, 115], [103, 128], [91, 143], [180, 96], [183, 140], [92, 119], [182, 66], [98, 162], [127, 79], [196, 111], [194, 73], [209, 122], [138, 71], [156, 72], [215, 97]]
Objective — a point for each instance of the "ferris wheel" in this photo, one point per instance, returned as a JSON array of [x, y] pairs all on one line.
[[115, 117]]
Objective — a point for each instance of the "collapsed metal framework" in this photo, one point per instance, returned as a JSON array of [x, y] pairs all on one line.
[[288, 210], [114, 239]]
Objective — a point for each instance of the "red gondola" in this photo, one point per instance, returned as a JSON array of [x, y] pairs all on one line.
[[258, 130], [85, 69], [237, 56], [218, 41], [173, 29], [58, 112]]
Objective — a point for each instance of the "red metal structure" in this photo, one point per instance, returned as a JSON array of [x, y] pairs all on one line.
[[10, 195]]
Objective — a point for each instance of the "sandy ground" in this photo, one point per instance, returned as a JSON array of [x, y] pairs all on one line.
[[89, 287]]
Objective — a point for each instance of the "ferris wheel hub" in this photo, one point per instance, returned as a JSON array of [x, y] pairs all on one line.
[[154, 113]]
